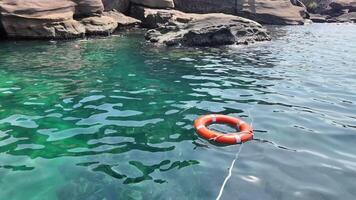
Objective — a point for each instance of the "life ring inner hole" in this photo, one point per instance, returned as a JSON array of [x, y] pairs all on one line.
[[223, 128]]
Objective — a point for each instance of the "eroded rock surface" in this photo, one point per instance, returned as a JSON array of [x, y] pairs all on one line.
[[99, 25], [178, 28], [40, 19], [122, 20], [154, 18], [48, 19], [88, 7]]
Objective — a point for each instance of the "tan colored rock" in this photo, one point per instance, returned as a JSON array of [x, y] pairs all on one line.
[[123, 20], [88, 7], [38, 9], [273, 12], [263, 11], [99, 25], [153, 18], [347, 17], [40, 19], [155, 3]]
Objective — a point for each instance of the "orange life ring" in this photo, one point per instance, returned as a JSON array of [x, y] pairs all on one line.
[[245, 130]]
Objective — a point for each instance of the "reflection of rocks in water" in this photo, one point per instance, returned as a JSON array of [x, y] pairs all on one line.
[[144, 172], [102, 181], [17, 167]]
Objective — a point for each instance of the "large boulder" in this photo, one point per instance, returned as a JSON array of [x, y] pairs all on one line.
[[88, 7], [99, 25], [281, 12], [178, 28], [119, 5], [40, 19], [155, 3]]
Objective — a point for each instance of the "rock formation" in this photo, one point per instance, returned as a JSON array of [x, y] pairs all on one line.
[[122, 20], [59, 19], [155, 3], [281, 12], [77, 18], [99, 25], [332, 10], [119, 5], [88, 7], [40, 19], [173, 27]]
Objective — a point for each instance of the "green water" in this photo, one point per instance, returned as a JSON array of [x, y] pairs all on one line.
[[112, 118]]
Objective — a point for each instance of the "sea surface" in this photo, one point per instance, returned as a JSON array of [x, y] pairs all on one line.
[[112, 118]]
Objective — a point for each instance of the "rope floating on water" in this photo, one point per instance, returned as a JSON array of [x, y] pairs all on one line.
[[232, 165], [230, 173]]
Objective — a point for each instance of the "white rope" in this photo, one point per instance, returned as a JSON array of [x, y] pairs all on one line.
[[230, 173], [232, 165]]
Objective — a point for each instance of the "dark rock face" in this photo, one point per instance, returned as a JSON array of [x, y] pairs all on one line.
[[208, 36], [154, 3], [119, 5], [2, 30], [343, 5], [207, 6], [88, 7], [315, 6], [178, 28], [333, 10], [281, 12]]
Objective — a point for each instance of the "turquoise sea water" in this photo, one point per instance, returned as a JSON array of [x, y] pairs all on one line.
[[112, 118]]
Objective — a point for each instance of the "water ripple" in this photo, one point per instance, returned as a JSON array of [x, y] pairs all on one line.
[[90, 119]]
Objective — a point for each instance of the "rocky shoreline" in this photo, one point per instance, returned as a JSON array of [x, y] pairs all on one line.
[[169, 22]]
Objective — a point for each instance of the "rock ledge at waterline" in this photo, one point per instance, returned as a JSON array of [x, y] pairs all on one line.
[[177, 28], [47, 19]]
